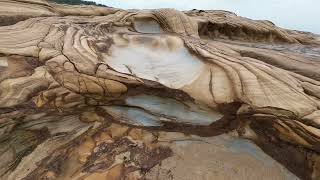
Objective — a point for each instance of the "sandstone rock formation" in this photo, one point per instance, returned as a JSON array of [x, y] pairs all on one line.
[[102, 93]]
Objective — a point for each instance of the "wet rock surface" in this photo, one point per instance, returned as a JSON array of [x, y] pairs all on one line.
[[92, 93]]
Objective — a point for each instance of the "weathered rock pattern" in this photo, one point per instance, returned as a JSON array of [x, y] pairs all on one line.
[[102, 93]]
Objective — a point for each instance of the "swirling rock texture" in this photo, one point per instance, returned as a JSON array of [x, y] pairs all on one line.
[[103, 93]]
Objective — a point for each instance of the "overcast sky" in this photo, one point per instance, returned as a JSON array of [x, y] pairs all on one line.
[[293, 14]]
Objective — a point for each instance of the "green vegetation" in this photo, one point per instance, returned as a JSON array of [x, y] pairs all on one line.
[[76, 2]]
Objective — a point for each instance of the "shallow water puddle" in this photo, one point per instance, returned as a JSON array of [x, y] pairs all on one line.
[[163, 59], [134, 116], [175, 110], [152, 111], [147, 25]]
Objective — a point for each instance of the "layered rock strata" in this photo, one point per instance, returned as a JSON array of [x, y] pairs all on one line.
[[102, 93]]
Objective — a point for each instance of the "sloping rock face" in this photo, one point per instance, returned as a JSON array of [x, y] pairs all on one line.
[[102, 93]]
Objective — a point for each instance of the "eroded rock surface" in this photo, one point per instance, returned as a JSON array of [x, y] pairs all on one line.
[[102, 93]]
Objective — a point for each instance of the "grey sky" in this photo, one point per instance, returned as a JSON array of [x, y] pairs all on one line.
[[293, 14]]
